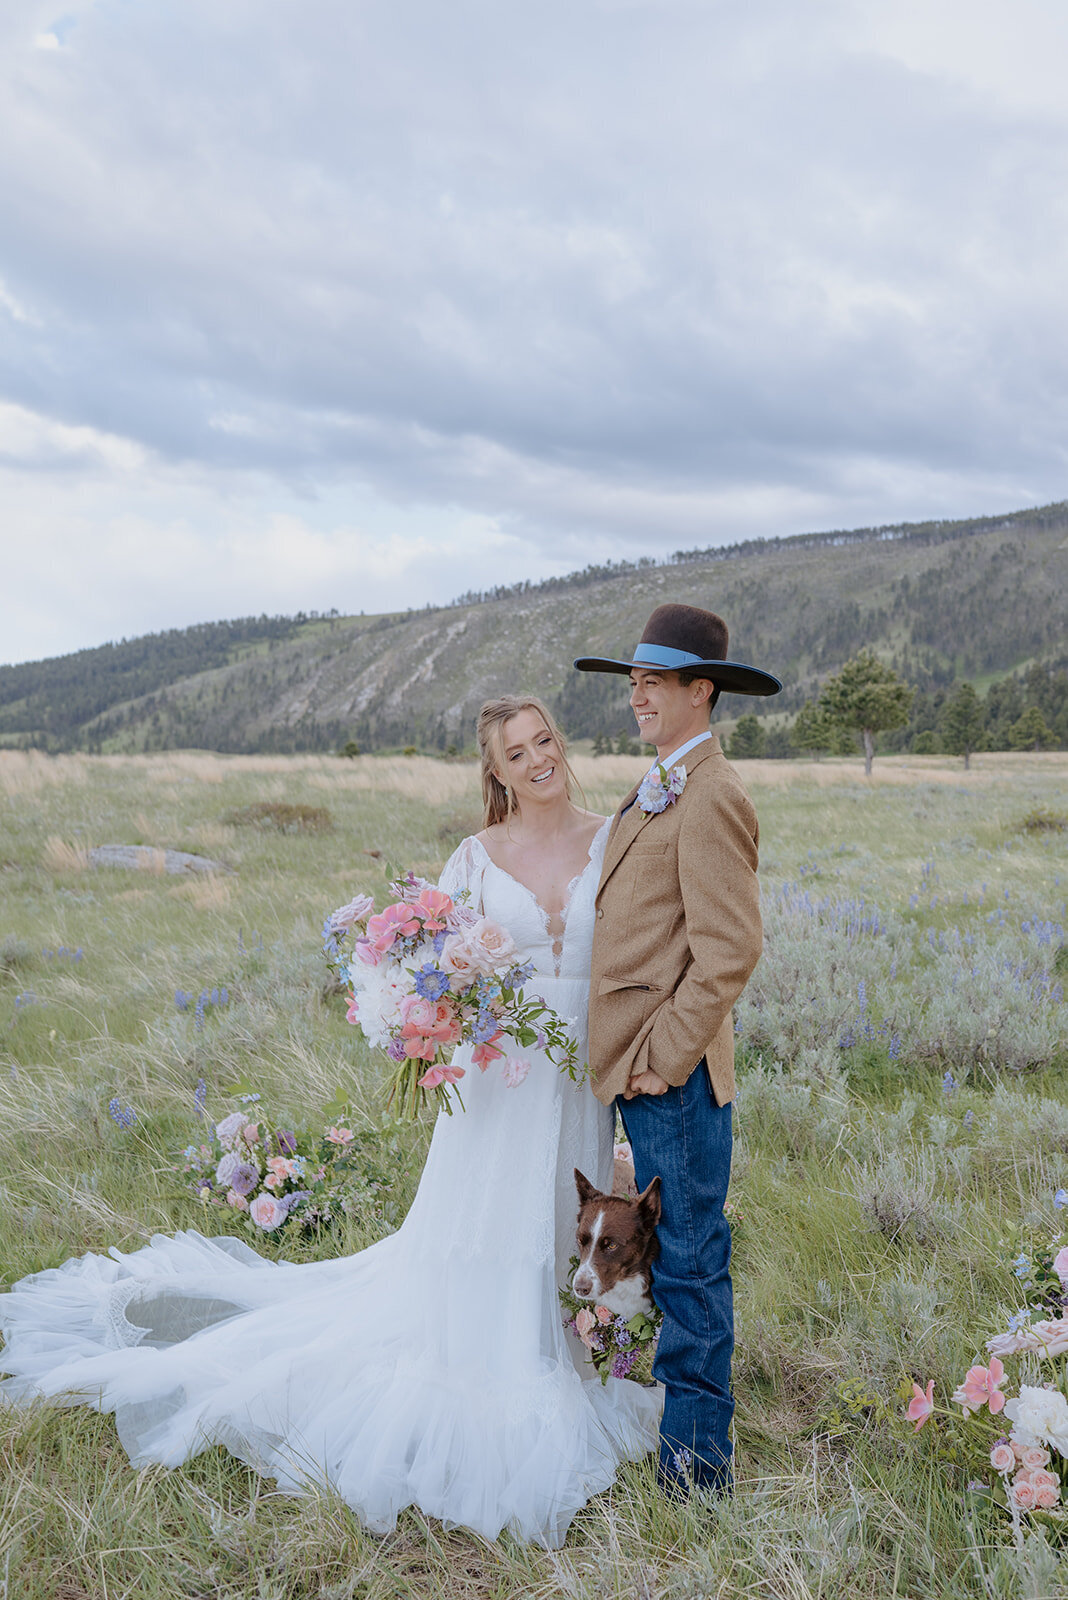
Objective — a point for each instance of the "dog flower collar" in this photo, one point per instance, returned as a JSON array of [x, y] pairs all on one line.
[[660, 789]]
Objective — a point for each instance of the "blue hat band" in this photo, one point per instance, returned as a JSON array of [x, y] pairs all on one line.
[[663, 655]]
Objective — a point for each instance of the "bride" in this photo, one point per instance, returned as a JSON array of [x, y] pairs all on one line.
[[433, 1368]]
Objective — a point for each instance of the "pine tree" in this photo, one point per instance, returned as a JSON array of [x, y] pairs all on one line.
[[813, 730], [1030, 732], [867, 697], [962, 723], [748, 740]]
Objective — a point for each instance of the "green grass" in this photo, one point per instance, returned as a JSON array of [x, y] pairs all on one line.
[[869, 1209]]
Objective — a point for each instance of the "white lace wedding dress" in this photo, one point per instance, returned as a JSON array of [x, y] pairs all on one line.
[[432, 1369]]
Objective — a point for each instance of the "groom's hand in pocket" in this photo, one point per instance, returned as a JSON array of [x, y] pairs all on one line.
[[647, 1082]]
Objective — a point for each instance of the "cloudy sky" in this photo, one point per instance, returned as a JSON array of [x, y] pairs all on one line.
[[364, 303]]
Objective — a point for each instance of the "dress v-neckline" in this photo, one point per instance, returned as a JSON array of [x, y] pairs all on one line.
[[557, 942]]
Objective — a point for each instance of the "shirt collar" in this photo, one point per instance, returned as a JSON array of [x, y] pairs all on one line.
[[683, 750]]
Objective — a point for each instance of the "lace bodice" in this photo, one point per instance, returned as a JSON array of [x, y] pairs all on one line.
[[505, 900]]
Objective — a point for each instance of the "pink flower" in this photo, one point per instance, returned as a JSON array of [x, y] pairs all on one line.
[[267, 1213], [622, 1152], [354, 912], [980, 1388], [483, 1055], [228, 1131], [274, 1180], [236, 1200], [1042, 1478], [353, 1013], [496, 947], [1060, 1264], [340, 1135], [418, 1047], [443, 1072], [417, 1014], [461, 961], [432, 908], [395, 922], [1003, 1458], [366, 952], [1023, 1494], [251, 1133], [1034, 1457], [585, 1322], [515, 1070], [602, 1314], [1047, 1497], [921, 1405]]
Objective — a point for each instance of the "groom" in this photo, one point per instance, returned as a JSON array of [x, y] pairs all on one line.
[[676, 936]]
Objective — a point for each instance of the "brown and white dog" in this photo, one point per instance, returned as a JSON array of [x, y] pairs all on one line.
[[617, 1246]]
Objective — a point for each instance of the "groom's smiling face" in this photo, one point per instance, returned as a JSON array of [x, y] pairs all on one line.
[[668, 712]]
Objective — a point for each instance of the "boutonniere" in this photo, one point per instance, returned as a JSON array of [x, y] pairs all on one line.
[[660, 789]]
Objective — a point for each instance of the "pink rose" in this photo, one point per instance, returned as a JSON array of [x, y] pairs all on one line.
[[236, 1200], [460, 961], [251, 1133], [1043, 1479], [1033, 1457], [585, 1322], [1046, 1497], [228, 1131], [267, 1213], [340, 1135], [354, 912], [1023, 1494], [1060, 1264], [496, 947], [1002, 1458], [1050, 1338], [274, 1180], [602, 1314]]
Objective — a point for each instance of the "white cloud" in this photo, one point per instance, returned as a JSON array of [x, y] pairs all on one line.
[[411, 298]]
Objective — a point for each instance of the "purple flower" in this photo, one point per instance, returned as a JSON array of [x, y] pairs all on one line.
[[431, 982], [200, 1094], [287, 1142], [292, 1201], [485, 1026], [122, 1116], [395, 1050], [244, 1178], [621, 1366]]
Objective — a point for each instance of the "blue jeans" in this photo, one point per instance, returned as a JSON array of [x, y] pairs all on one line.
[[685, 1137]]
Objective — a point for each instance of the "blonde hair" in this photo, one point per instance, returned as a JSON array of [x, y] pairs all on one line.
[[498, 801]]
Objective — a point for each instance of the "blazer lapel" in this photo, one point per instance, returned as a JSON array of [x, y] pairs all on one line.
[[626, 825]]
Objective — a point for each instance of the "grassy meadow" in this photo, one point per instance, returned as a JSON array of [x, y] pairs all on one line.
[[902, 1117]]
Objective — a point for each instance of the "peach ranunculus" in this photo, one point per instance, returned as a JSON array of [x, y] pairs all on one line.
[[267, 1212], [340, 1135], [432, 908], [921, 1405], [1003, 1457], [981, 1387], [417, 1014], [602, 1314]]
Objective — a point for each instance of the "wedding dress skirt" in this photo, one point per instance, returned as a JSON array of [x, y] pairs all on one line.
[[432, 1369]]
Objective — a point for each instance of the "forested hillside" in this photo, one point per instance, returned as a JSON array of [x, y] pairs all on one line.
[[977, 600]]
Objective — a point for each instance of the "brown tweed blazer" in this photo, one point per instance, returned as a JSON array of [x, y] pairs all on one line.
[[677, 932]]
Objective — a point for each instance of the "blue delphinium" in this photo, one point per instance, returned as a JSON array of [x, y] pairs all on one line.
[[122, 1116], [1060, 1199], [485, 1026]]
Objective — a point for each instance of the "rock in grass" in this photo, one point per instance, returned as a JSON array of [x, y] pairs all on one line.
[[147, 858]]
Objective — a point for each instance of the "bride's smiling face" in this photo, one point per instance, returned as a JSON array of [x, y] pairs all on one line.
[[533, 763]]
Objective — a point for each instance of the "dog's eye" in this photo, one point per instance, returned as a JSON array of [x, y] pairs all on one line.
[[608, 1245]]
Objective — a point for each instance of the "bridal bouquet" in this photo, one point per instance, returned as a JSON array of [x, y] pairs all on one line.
[[427, 973], [1030, 1460]]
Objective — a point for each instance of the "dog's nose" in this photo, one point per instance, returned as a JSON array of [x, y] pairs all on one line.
[[582, 1283]]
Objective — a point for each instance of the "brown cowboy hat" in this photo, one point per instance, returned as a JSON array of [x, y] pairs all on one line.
[[684, 637]]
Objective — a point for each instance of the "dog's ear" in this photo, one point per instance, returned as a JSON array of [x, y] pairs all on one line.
[[585, 1188], [648, 1203]]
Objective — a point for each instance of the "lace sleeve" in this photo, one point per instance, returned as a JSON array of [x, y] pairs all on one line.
[[464, 870]]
